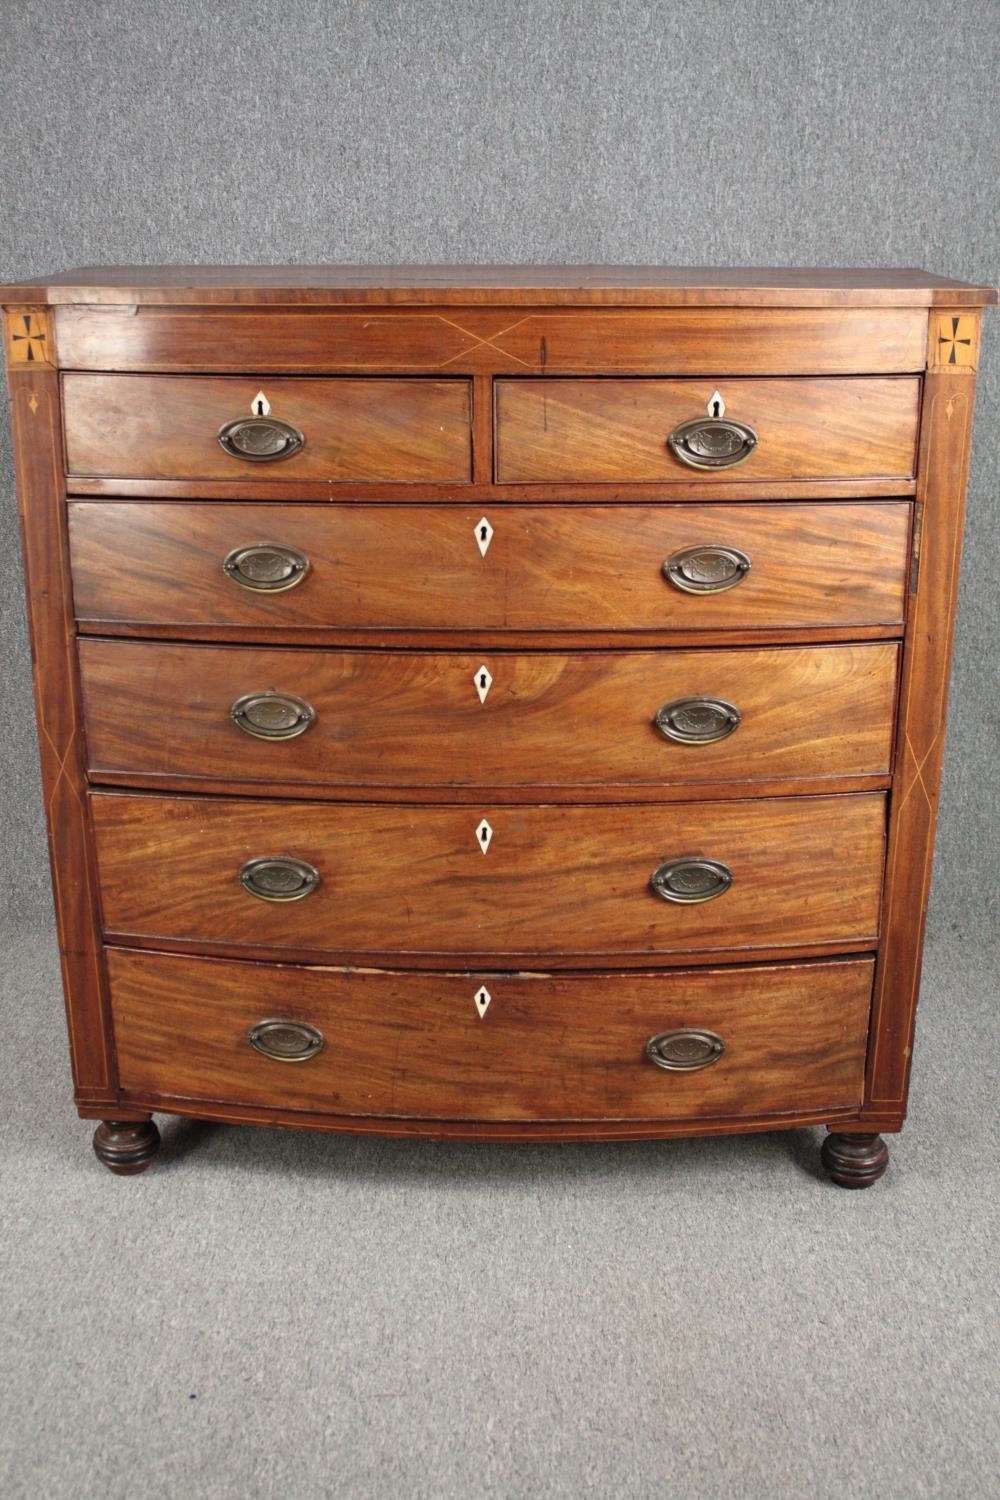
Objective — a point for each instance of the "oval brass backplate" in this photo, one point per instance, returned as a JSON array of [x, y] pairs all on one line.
[[691, 880], [278, 877], [266, 567], [260, 439], [712, 443], [698, 721], [685, 1050], [286, 1041], [272, 716], [708, 568]]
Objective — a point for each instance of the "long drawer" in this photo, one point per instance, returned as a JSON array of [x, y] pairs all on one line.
[[296, 718], [564, 431], [547, 881], [167, 427], [509, 568], [747, 341], [493, 1046]]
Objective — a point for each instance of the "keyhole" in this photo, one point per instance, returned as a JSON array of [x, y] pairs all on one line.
[[482, 533], [483, 835], [260, 408], [715, 409], [482, 679]]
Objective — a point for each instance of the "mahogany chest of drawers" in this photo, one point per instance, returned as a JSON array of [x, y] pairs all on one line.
[[492, 703]]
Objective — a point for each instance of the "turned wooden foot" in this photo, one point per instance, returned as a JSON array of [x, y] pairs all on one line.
[[854, 1161], [126, 1146]]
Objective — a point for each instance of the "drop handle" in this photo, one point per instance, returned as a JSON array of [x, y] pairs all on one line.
[[260, 439], [266, 567], [712, 443], [272, 716], [706, 568], [278, 877], [685, 1050], [698, 721], [286, 1041], [691, 880]]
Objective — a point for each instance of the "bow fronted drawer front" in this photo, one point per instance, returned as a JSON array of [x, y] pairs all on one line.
[[256, 427], [612, 431], [575, 341], [278, 720], [530, 881], [198, 567], [488, 1046]]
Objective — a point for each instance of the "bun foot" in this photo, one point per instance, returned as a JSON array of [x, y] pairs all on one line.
[[126, 1146], [854, 1161]]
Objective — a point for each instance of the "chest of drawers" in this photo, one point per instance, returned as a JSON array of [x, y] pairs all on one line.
[[492, 703]]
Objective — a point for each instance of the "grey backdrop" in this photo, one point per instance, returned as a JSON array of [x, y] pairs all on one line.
[[825, 133]]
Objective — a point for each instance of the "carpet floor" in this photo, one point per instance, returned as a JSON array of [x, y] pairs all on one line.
[[270, 1314]]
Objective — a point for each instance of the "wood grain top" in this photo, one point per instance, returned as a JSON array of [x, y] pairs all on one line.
[[626, 286]]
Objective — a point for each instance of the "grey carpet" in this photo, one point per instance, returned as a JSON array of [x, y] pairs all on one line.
[[272, 1314]]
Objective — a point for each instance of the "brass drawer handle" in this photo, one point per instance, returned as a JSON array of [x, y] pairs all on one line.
[[685, 1050], [707, 568], [272, 716], [698, 721], [286, 1041], [689, 881], [278, 877], [712, 442], [260, 439], [266, 567]]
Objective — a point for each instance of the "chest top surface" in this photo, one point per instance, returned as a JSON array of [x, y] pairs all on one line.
[[458, 285]]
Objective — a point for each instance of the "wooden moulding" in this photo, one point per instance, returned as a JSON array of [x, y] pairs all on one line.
[[133, 1105], [85, 486]]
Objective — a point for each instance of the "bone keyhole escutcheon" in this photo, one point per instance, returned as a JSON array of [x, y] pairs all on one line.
[[483, 532]]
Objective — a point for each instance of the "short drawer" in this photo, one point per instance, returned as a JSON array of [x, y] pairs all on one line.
[[524, 881], [493, 1046], [168, 427], [500, 568], [602, 431], [300, 718]]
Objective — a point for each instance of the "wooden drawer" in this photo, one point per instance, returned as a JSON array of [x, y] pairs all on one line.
[[166, 427], [560, 1047], [603, 431], [585, 568], [678, 340], [415, 719], [507, 882]]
